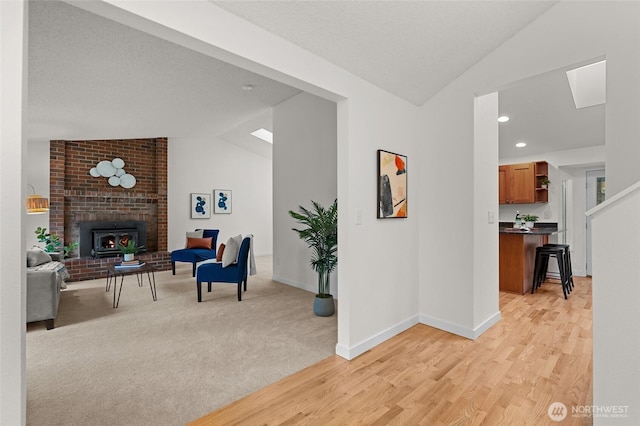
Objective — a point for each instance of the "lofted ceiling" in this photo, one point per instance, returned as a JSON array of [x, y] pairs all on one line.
[[90, 77], [409, 48]]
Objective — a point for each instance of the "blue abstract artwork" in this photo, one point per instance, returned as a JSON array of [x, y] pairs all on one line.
[[222, 201], [200, 206]]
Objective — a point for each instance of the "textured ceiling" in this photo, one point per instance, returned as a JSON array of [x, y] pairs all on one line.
[[90, 77], [409, 48]]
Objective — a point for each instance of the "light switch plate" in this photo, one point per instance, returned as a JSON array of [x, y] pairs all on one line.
[[358, 216], [491, 217]]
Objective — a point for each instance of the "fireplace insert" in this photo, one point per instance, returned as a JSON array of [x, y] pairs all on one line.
[[101, 239], [107, 242]]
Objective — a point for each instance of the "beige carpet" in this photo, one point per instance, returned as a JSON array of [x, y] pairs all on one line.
[[170, 361]]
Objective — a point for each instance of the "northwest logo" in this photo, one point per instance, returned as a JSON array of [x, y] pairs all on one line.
[[557, 411]]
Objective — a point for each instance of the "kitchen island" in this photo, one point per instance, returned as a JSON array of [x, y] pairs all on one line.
[[517, 256]]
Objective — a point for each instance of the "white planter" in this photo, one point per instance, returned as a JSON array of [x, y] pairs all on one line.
[[129, 256], [529, 224]]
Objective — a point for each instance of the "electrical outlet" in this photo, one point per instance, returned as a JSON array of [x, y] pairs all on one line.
[[358, 216]]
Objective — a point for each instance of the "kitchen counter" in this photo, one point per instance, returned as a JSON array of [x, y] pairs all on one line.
[[518, 252], [532, 231]]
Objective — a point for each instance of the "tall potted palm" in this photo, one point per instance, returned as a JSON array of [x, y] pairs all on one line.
[[320, 232]]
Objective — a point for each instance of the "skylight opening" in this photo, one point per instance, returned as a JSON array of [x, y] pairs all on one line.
[[263, 134], [588, 84]]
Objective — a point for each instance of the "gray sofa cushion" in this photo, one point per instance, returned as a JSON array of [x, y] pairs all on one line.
[[37, 256]]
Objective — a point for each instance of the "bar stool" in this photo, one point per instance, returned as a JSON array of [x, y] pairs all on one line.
[[541, 263], [567, 263]]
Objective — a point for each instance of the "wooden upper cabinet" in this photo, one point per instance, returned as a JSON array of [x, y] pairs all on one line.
[[518, 182], [502, 184]]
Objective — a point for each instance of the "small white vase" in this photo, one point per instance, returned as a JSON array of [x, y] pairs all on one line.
[[529, 224], [129, 256]]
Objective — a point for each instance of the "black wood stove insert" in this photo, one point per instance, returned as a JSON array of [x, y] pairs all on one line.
[[101, 238]]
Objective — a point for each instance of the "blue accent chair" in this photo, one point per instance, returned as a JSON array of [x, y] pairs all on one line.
[[196, 255], [234, 273]]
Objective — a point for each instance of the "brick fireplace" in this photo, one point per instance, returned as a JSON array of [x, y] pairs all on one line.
[[76, 196]]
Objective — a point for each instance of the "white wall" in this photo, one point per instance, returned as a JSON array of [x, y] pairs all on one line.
[[203, 164], [13, 41], [616, 305], [305, 163], [486, 310]]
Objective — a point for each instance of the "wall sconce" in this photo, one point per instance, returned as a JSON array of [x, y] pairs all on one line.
[[36, 204]]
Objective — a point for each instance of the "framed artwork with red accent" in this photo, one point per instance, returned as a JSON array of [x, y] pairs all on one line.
[[392, 185]]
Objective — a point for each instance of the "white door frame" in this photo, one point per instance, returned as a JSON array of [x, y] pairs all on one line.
[[591, 200]]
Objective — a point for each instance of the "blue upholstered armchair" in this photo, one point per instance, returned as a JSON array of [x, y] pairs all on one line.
[[197, 253], [235, 273]]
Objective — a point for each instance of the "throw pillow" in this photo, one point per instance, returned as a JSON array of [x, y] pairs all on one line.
[[219, 252], [204, 243], [37, 256], [196, 234], [231, 250]]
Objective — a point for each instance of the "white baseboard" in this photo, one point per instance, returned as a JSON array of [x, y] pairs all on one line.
[[365, 345], [469, 333], [292, 283]]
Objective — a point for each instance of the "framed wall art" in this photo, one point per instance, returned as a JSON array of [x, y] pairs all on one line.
[[200, 206], [222, 201], [392, 185]]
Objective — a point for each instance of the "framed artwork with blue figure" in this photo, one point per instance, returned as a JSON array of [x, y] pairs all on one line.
[[200, 206], [222, 201]]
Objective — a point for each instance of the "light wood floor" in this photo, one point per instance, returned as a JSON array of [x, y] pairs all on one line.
[[539, 353]]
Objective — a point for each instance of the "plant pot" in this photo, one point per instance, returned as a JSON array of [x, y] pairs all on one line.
[[529, 224], [324, 306], [129, 256]]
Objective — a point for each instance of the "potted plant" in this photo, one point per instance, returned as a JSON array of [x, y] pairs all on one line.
[[544, 182], [529, 220], [129, 250], [52, 242], [321, 235]]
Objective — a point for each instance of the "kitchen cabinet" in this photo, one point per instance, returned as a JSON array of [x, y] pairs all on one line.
[[521, 183]]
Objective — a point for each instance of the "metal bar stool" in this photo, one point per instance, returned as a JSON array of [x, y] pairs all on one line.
[[567, 262], [541, 263]]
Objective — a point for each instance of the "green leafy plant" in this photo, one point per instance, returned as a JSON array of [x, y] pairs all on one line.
[[545, 181], [321, 235], [530, 218], [52, 242], [69, 248], [130, 248]]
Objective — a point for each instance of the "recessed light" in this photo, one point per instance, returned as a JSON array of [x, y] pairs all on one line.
[[263, 134], [247, 87], [503, 119], [521, 144]]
